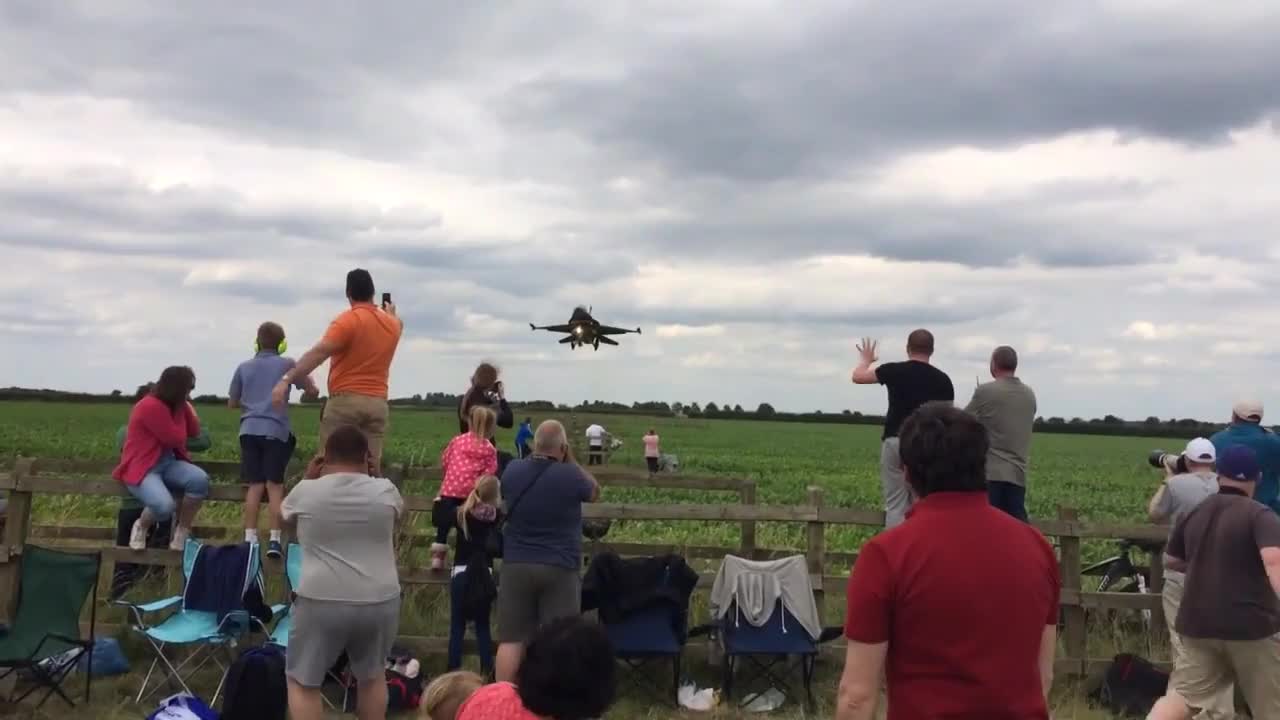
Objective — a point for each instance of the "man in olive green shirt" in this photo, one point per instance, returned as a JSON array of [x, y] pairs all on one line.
[[1007, 409]]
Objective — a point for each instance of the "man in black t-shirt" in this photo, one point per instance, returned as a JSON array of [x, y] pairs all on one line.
[[910, 384]]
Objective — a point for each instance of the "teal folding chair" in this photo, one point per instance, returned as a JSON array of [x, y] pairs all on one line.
[[207, 638], [284, 626]]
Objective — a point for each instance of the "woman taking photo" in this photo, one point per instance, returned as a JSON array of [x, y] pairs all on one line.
[[154, 464], [486, 389]]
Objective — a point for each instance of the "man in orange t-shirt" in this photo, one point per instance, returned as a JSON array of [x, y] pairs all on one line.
[[359, 345]]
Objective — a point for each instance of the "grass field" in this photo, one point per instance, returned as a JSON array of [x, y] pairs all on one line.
[[1105, 478]]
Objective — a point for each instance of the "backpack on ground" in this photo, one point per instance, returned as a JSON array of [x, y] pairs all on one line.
[[255, 687], [403, 691], [1131, 686]]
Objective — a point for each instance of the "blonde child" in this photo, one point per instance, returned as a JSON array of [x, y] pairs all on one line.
[[477, 518], [446, 694], [465, 459]]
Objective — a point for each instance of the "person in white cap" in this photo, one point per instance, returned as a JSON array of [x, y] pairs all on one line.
[[1175, 497], [1246, 429]]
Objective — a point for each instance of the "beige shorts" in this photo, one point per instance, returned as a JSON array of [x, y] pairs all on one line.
[[1209, 666], [369, 414], [1216, 706]]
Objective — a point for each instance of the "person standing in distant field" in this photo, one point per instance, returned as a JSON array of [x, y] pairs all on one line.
[[651, 451], [911, 384], [1246, 429], [1229, 621], [1177, 496], [359, 345], [595, 444], [523, 436], [266, 436], [1006, 407]]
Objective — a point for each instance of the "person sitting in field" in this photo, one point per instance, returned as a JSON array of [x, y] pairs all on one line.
[[154, 464], [569, 673], [472, 573], [651, 451], [447, 693], [266, 437], [956, 608], [466, 459]]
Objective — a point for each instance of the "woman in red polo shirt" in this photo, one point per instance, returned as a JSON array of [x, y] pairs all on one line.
[[957, 607], [154, 464]]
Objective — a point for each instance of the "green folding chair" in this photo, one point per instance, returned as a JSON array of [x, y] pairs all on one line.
[[54, 588]]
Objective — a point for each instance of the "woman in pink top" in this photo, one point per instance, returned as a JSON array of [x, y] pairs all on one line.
[[468, 457], [651, 454], [154, 464]]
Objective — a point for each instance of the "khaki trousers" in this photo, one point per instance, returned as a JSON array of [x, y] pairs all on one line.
[[371, 415]]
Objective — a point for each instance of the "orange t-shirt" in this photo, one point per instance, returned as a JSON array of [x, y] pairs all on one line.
[[365, 339]]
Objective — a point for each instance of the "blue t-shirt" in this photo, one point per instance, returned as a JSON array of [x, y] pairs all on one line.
[[252, 385], [1267, 447], [545, 526]]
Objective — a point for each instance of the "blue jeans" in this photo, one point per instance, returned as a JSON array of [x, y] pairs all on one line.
[[170, 477], [1009, 498], [458, 628]]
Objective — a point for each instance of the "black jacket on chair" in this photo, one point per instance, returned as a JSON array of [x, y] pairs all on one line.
[[618, 587]]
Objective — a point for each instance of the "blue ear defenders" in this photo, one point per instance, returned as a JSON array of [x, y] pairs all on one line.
[[280, 349]]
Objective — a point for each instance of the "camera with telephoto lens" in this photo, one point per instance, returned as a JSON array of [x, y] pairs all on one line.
[[1175, 463]]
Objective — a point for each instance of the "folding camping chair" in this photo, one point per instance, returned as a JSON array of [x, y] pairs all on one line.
[[781, 643], [198, 630], [284, 625], [44, 639], [645, 638], [643, 605]]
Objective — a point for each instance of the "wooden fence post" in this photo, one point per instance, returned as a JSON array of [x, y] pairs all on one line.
[[747, 496], [1159, 629], [17, 524], [1073, 616], [816, 550]]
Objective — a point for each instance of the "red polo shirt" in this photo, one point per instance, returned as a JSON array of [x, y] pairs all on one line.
[[962, 593]]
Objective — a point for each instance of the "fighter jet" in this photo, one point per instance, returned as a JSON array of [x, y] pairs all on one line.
[[582, 329]]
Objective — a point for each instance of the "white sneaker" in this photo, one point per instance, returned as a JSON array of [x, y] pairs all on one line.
[[179, 539], [138, 536]]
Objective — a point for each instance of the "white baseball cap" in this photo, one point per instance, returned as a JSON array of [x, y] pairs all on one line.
[[1200, 450], [1248, 410]]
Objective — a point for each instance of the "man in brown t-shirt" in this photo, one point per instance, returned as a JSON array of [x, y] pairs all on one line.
[[1229, 547]]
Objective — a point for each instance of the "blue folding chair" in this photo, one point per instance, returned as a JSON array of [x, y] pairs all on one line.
[[645, 637], [198, 630], [781, 641]]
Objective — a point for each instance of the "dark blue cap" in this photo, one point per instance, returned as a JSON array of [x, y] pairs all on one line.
[[1239, 462]]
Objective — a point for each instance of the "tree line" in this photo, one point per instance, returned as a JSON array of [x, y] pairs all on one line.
[[1107, 425]]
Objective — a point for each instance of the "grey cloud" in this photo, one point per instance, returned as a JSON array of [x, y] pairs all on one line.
[[866, 81], [112, 213]]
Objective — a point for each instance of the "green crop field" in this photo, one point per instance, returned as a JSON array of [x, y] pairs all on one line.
[[1105, 478]]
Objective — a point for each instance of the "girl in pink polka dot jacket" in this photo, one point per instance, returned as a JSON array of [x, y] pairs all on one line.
[[467, 458]]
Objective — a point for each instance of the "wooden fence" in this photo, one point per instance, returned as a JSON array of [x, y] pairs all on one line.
[[30, 477]]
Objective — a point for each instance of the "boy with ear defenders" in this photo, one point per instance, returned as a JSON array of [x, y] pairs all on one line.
[[266, 438]]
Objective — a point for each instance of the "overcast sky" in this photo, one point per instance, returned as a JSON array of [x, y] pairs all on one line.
[[755, 183]]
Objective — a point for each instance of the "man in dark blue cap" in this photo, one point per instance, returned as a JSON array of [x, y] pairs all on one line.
[[1229, 620]]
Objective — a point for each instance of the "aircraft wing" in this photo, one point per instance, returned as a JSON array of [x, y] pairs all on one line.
[[610, 330], [552, 328], [608, 341]]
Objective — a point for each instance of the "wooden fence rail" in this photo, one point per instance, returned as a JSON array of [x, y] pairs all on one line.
[[31, 477]]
